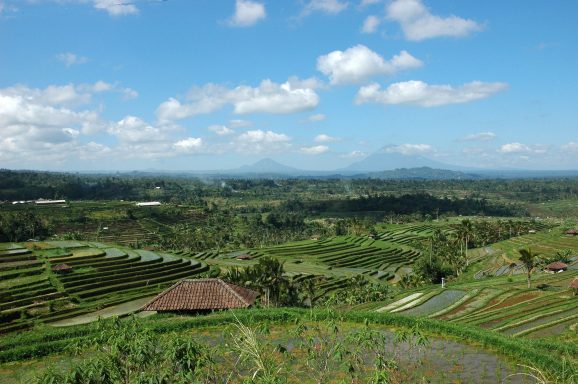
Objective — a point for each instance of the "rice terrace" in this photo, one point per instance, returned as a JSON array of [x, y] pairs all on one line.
[[297, 191]]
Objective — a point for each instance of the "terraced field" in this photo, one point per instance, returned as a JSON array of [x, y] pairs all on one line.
[[95, 276], [409, 234], [376, 258], [502, 306], [545, 244]]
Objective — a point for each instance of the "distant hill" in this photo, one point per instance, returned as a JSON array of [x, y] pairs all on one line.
[[271, 169], [386, 160], [421, 173]]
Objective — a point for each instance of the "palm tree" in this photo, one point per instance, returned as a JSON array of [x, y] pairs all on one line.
[[466, 233], [530, 261]]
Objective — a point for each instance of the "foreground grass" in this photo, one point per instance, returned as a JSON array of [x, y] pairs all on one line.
[[555, 359]]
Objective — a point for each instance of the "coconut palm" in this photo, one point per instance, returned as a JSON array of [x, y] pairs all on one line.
[[465, 234], [530, 260]]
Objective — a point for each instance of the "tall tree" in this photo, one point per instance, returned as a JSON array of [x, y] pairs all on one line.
[[530, 260], [466, 233]]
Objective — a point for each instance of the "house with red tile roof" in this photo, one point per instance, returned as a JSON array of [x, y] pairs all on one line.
[[202, 295], [556, 266]]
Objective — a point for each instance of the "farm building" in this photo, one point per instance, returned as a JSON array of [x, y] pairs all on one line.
[[61, 268], [243, 257], [556, 266], [202, 295], [149, 204], [49, 202], [574, 286], [572, 232]]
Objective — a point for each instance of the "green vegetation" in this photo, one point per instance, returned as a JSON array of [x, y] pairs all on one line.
[[324, 344], [94, 278], [344, 268]]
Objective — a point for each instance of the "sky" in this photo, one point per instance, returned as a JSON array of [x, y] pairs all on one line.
[[314, 84]]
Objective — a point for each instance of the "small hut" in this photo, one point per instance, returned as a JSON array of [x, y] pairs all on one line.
[[556, 267], [574, 286], [61, 269], [244, 257], [202, 295], [572, 232]]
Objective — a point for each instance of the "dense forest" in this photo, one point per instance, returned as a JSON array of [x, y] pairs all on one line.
[[27, 185]]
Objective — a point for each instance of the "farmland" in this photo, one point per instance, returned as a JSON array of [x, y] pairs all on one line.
[[498, 298], [347, 256], [98, 276]]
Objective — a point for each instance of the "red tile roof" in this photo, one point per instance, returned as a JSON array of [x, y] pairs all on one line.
[[574, 283], [557, 265], [202, 294]]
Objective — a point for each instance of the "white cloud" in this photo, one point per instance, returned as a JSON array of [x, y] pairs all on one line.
[[43, 125], [221, 130], [409, 149], [128, 93], [571, 146], [418, 23], [69, 59], [259, 136], [269, 97], [93, 151], [323, 138], [324, 6], [29, 107], [481, 136], [247, 13], [132, 129], [315, 150], [116, 7], [354, 155], [189, 145], [425, 95], [359, 63], [71, 132], [370, 24], [202, 100], [69, 95], [514, 148], [258, 141]]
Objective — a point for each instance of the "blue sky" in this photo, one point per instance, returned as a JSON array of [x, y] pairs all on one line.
[[315, 84]]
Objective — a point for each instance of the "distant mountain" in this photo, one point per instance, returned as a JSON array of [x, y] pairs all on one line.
[[387, 160], [422, 173], [267, 166]]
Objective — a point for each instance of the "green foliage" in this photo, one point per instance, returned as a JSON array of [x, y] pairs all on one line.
[[530, 261], [357, 290], [548, 356], [124, 352], [255, 355], [267, 276], [23, 225]]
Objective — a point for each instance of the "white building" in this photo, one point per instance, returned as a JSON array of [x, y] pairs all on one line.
[[149, 204]]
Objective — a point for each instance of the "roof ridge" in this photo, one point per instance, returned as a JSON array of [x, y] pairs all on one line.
[[230, 289]]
